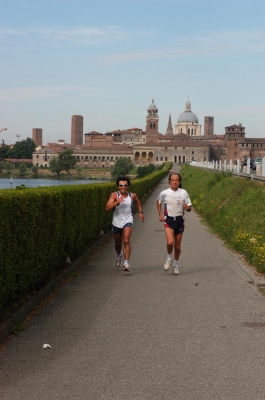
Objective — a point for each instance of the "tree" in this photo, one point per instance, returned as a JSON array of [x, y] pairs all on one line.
[[8, 166], [67, 161], [22, 149], [35, 171], [64, 162], [5, 165], [22, 169], [3, 151], [78, 170], [55, 167], [122, 167]]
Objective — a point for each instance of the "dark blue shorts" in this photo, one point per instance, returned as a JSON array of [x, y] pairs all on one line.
[[118, 231], [175, 223]]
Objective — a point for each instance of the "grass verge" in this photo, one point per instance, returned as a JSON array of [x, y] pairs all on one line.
[[233, 207]]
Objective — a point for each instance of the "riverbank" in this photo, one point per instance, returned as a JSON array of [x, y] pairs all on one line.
[[87, 173], [7, 183]]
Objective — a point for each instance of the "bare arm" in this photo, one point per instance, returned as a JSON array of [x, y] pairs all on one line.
[[186, 207], [159, 209], [113, 201], [139, 206]]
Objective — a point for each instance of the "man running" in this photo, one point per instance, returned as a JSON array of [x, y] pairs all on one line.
[[122, 221], [176, 202]]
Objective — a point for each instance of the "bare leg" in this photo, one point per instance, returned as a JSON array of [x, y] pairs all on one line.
[[118, 243], [170, 239], [126, 233], [177, 249]]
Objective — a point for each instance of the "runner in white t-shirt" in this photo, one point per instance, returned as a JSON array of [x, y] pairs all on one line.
[[176, 201]]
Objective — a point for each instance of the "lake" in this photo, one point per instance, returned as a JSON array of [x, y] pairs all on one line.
[[5, 183]]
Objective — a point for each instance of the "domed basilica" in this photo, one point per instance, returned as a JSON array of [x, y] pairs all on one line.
[[188, 122]]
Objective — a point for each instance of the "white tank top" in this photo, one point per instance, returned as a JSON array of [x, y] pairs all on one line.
[[122, 213]]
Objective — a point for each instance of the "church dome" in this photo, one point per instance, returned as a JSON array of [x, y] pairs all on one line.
[[152, 106], [188, 115]]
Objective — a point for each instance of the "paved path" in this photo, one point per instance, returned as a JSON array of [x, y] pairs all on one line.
[[148, 334]]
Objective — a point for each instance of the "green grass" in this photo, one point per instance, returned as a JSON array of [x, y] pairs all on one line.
[[233, 207]]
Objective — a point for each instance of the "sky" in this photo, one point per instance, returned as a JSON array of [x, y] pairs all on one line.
[[107, 59]]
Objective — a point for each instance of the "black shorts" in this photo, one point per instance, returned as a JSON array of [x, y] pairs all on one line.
[[175, 223], [118, 231]]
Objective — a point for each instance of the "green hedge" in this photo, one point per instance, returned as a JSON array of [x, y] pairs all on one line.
[[41, 227]]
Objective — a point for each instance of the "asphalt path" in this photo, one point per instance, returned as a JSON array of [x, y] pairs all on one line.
[[147, 334]]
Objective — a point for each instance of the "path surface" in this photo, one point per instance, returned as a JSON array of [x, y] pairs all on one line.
[[147, 334]]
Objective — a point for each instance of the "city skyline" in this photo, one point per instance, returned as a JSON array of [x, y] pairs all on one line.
[[107, 60]]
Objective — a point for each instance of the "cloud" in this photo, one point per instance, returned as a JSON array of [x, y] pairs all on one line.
[[38, 92], [166, 1], [209, 43], [178, 46], [77, 36]]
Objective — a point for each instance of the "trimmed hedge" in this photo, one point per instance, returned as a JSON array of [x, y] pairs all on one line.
[[41, 227]]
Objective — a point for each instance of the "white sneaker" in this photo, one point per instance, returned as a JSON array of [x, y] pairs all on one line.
[[119, 260], [168, 263], [126, 267], [176, 270]]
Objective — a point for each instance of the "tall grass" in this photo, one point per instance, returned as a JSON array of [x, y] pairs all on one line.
[[233, 207]]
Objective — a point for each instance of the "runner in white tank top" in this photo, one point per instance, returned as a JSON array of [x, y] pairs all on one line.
[[122, 221]]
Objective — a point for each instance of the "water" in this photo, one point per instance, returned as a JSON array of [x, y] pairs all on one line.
[[5, 182]]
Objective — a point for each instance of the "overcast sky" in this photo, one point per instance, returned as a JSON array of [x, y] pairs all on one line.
[[107, 59]]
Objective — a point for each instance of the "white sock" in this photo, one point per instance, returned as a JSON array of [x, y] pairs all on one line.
[[169, 256], [176, 263]]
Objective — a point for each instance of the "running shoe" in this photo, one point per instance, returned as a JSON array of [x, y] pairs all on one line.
[[126, 267], [176, 270], [119, 260], [167, 264]]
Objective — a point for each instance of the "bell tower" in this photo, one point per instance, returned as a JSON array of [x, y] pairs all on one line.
[[152, 119], [169, 126]]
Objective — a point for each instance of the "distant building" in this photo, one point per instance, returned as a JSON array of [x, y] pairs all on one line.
[[43, 157], [96, 139], [240, 147], [87, 156], [169, 126], [208, 126], [37, 136], [150, 146], [129, 136], [176, 149], [188, 122], [77, 130], [152, 118]]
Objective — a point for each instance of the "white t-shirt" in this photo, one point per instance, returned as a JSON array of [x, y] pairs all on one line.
[[173, 201]]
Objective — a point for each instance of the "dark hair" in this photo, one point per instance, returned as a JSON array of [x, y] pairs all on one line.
[[175, 173], [123, 178]]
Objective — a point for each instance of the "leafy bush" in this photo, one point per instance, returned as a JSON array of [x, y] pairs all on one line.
[[145, 170]]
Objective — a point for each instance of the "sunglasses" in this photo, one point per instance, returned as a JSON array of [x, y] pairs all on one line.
[[123, 185]]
